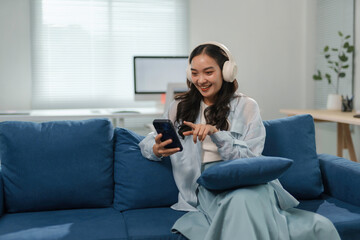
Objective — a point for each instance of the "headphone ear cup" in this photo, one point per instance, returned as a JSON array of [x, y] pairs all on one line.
[[188, 72], [229, 71]]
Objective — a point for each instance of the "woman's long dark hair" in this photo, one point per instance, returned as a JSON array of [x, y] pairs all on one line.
[[189, 105]]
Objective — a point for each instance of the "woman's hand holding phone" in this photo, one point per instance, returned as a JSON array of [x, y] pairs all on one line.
[[159, 147], [199, 131]]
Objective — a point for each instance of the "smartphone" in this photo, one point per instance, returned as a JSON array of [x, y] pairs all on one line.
[[167, 129]]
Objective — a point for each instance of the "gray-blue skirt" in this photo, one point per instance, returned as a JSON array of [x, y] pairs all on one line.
[[251, 213]]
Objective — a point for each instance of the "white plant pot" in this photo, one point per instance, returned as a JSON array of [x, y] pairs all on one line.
[[334, 102]]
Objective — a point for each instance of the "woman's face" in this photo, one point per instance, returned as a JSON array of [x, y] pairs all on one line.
[[206, 76]]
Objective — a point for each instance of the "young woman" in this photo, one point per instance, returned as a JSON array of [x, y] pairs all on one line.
[[217, 124]]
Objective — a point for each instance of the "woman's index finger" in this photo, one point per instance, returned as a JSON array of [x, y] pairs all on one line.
[[190, 124]]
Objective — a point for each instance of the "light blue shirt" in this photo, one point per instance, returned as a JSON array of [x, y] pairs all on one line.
[[245, 139]]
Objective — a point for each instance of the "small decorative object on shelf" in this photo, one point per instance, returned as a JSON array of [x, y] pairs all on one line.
[[347, 104], [334, 102]]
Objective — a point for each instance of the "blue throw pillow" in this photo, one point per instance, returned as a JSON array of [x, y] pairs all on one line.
[[294, 138], [139, 182], [57, 165], [243, 172]]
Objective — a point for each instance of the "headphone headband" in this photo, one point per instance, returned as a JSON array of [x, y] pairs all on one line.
[[222, 46]]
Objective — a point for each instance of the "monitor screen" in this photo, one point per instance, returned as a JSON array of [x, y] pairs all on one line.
[[152, 74]]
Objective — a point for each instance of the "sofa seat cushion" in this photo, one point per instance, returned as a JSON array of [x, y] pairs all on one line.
[[57, 165], [152, 223], [345, 216], [100, 223]]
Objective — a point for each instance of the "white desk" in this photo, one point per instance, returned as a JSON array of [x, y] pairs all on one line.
[[116, 115]]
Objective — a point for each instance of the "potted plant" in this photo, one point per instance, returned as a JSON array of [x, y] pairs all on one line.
[[337, 62]]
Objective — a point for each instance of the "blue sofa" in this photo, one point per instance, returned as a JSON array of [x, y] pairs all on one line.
[[86, 180]]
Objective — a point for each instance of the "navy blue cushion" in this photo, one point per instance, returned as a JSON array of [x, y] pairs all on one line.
[[152, 223], [57, 165], [243, 172], [345, 216], [89, 224], [294, 138], [139, 182]]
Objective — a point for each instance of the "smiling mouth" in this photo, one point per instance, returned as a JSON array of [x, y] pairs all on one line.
[[205, 88]]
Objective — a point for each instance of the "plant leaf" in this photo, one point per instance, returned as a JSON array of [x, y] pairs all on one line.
[[335, 49], [340, 34], [318, 76], [342, 74], [326, 48], [345, 67], [347, 37], [328, 77], [327, 56], [330, 62], [343, 57], [346, 45], [350, 49]]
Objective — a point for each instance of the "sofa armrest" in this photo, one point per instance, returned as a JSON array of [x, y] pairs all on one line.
[[1, 194], [341, 178]]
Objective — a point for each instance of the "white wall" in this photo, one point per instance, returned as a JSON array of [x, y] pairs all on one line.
[[274, 45], [271, 42], [356, 135], [15, 65]]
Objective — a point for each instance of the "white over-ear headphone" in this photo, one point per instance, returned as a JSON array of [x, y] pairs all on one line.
[[229, 70]]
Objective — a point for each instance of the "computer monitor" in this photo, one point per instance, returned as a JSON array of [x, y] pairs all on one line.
[[153, 73]]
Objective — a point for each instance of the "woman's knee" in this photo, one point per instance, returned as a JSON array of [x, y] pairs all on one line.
[[248, 194]]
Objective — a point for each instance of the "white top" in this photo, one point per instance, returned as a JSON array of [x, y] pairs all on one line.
[[210, 150], [245, 139]]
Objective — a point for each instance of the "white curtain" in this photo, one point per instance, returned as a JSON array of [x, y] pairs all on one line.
[[83, 49]]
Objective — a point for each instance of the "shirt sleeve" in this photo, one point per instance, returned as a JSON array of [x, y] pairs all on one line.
[[246, 137], [146, 145]]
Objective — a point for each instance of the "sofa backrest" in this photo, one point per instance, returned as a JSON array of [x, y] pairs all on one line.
[[294, 138], [57, 165], [140, 182]]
